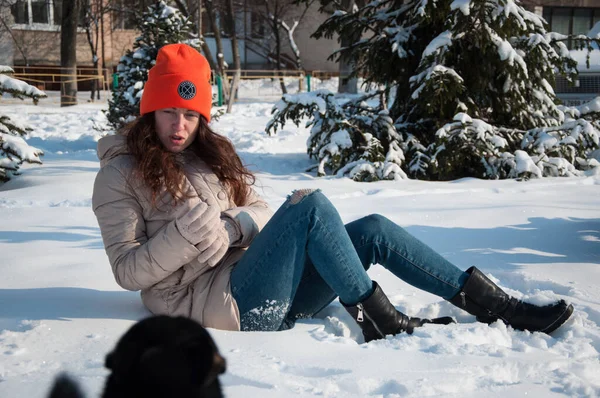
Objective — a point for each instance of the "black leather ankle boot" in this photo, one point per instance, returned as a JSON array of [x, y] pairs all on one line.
[[484, 299], [377, 317]]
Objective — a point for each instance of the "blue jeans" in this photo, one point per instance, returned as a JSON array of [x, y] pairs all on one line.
[[305, 257]]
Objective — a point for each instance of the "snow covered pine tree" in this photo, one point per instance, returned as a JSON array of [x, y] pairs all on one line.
[[159, 25], [467, 85], [14, 150]]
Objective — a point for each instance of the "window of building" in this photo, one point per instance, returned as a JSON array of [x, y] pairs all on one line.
[[123, 20], [39, 11], [570, 20], [257, 25], [28, 12], [20, 12], [206, 25], [123, 16], [221, 20], [57, 12], [223, 23]]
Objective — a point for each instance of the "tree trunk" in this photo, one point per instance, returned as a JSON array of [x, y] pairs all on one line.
[[208, 54], [91, 18], [68, 54], [346, 83], [235, 53], [212, 17], [234, 42], [277, 34], [102, 12], [292, 42], [234, 86], [204, 45], [99, 15], [197, 13], [9, 30]]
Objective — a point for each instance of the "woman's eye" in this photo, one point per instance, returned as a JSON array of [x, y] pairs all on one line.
[[191, 116]]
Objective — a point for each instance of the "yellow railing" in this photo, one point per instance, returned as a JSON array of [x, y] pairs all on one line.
[[51, 78], [43, 75], [40, 80]]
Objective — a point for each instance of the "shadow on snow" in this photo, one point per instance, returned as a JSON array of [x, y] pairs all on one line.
[[64, 303]]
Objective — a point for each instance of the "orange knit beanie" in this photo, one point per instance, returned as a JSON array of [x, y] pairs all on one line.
[[179, 79]]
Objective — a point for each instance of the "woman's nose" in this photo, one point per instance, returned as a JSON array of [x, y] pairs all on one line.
[[178, 120]]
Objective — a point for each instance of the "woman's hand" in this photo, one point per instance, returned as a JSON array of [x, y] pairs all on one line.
[[201, 222], [214, 246]]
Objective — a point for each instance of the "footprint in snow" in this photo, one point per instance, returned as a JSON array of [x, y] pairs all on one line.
[[231, 380], [311, 371], [14, 350]]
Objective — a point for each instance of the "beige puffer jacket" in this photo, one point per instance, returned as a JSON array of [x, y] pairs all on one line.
[[146, 250]]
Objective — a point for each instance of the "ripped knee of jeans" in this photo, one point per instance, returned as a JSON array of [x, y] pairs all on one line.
[[299, 194]]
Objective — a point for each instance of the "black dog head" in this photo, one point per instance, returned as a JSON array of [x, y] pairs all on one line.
[[163, 356]]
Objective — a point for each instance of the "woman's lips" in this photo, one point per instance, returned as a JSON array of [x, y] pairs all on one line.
[[177, 139]]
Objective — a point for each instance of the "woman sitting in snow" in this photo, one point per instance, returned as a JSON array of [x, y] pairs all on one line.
[[181, 222]]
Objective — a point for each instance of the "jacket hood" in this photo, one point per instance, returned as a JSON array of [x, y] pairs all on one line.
[[111, 146]]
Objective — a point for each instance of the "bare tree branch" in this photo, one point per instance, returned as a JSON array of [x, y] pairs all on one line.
[[14, 40]]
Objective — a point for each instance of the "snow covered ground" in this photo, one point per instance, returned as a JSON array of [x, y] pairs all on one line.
[[60, 309]]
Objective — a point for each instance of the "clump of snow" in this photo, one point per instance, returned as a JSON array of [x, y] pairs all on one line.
[[463, 118], [589, 107], [526, 165], [339, 140], [463, 5], [312, 98], [431, 73], [19, 146], [506, 52], [9, 84], [442, 40]]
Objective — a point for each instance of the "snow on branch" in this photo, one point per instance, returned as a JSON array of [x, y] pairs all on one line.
[[19, 89], [14, 150]]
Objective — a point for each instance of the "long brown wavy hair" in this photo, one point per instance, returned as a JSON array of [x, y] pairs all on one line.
[[159, 169]]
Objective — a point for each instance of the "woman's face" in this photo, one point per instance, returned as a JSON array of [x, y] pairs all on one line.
[[176, 127]]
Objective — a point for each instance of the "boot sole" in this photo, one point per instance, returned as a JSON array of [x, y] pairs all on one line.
[[560, 320]]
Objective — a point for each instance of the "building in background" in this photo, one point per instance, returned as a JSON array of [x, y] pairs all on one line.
[[30, 36], [570, 17], [574, 17]]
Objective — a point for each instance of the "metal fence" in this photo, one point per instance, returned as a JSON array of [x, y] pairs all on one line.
[[584, 89], [52, 78], [255, 84]]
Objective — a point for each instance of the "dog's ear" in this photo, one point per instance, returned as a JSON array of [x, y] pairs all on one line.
[[211, 379], [125, 356], [204, 362], [109, 361], [219, 363], [65, 387]]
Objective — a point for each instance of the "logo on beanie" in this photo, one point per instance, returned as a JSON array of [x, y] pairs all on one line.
[[186, 90]]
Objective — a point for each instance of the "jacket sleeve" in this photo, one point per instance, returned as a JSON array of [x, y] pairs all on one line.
[[250, 218], [137, 261]]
